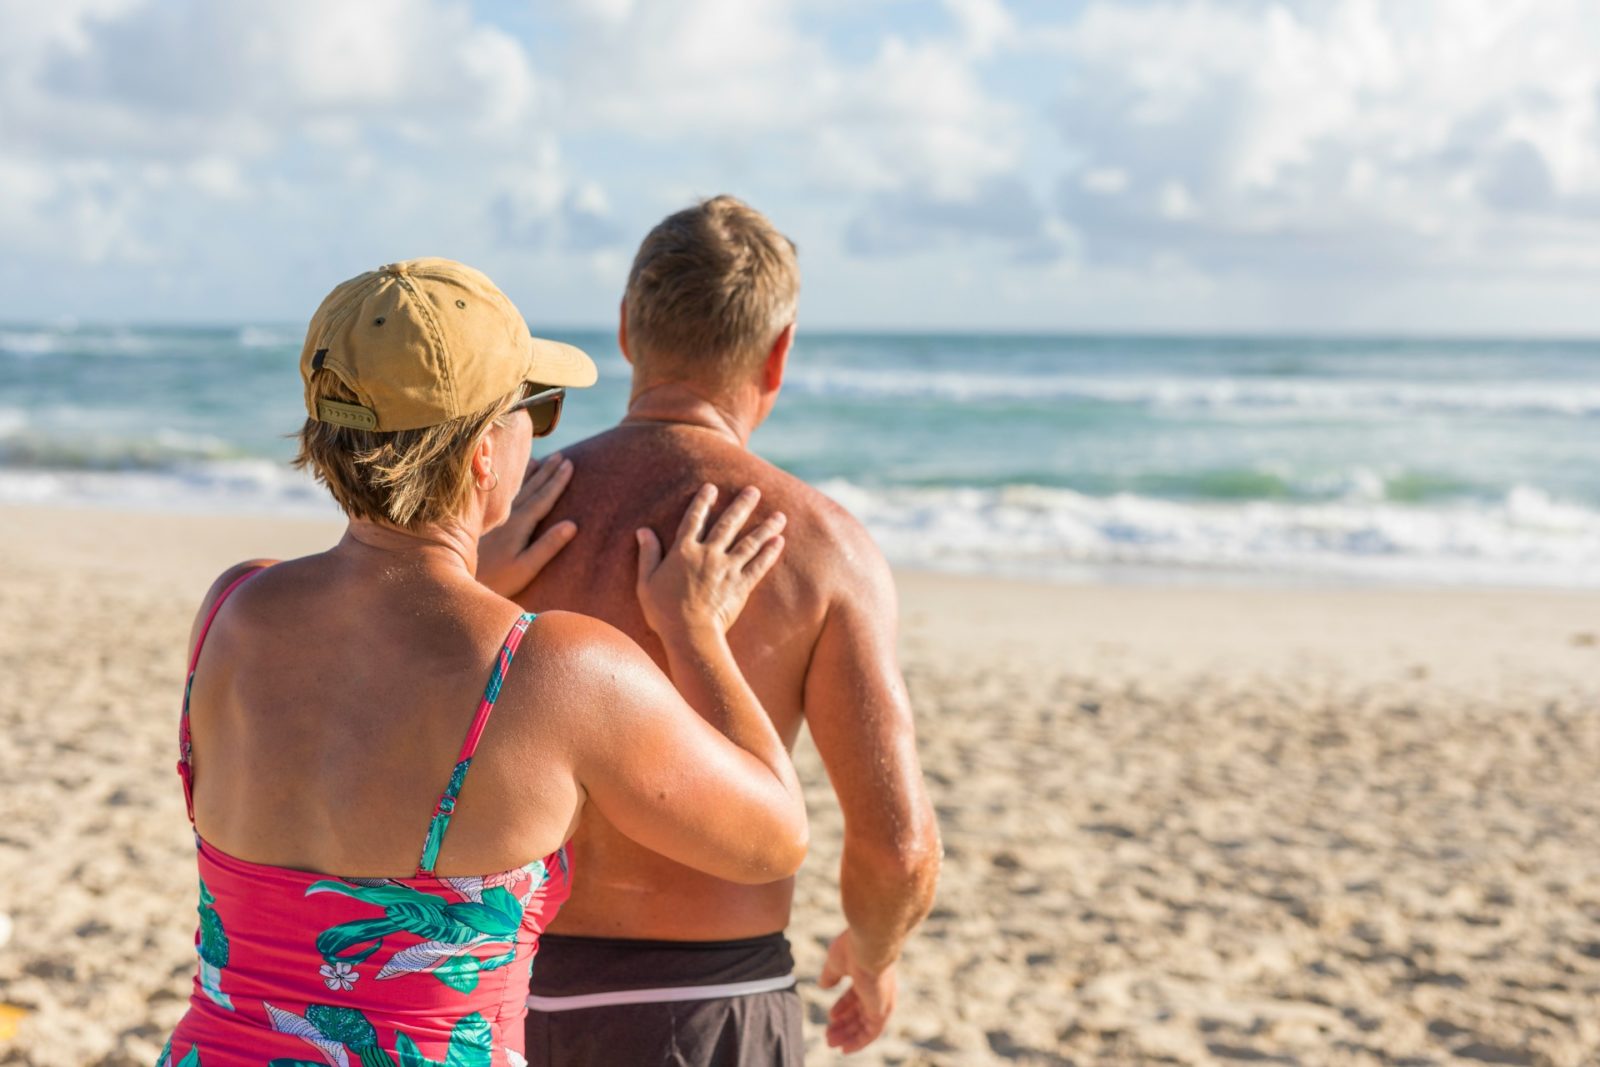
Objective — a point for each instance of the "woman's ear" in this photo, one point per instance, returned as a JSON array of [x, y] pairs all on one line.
[[483, 458]]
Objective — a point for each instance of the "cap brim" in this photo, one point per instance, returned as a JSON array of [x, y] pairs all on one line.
[[554, 363]]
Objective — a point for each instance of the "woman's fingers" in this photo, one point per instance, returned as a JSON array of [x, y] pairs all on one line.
[[544, 548], [538, 471], [733, 518], [757, 568], [649, 556], [694, 517], [540, 493], [536, 498], [751, 542]]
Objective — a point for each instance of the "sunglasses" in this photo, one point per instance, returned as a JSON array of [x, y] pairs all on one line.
[[543, 408]]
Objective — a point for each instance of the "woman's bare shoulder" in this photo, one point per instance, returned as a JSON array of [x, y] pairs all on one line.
[[224, 581], [585, 663], [573, 643]]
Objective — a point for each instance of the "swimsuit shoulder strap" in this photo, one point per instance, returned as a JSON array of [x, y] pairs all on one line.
[[185, 746], [445, 808]]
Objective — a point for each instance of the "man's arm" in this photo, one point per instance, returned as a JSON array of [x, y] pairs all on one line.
[[860, 719]]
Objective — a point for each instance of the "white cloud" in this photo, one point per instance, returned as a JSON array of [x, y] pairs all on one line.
[[1276, 147], [985, 24], [124, 112], [917, 116], [244, 77], [1447, 133], [1106, 180], [726, 73], [1176, 203], [670, 70], [541, 204]]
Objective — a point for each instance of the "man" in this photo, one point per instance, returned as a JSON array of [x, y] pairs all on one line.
[[651, 962]]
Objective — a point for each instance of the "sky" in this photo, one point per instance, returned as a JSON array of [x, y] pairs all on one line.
[[1327, 166]]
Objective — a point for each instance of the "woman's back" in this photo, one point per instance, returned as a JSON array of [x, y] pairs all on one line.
[[331, 700], [377, 962]]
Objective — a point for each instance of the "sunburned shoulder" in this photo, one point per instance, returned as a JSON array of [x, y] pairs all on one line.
[[823, 537], [573, 647], [587, 662], [803, 502]]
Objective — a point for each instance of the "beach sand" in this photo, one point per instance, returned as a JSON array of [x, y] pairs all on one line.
[[1189, 825]]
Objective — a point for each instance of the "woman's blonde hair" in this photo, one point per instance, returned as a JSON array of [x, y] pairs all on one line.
[[409, 478]]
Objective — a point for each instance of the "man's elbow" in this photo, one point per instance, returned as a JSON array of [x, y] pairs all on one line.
[[796, 844], [778, 854], [908, 862]]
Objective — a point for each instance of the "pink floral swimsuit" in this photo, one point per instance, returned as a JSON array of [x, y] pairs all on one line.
[[299, 969]]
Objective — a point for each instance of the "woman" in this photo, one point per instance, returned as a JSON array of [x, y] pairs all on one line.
[[377, 853]]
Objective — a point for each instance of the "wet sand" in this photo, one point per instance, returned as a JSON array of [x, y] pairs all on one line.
[[1189, 825]]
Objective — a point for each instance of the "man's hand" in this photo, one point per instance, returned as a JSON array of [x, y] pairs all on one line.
[[508, 556], [857, 1018]]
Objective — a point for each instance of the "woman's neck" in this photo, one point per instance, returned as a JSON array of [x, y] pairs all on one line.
[[448, 548]]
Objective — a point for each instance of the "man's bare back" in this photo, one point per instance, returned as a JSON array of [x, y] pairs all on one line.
[[637, 475]]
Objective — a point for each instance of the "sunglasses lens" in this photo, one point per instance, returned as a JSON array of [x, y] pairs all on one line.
[[544, 416]]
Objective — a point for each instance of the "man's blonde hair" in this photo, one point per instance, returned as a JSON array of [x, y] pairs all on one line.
[[408, 478], [711, 288]]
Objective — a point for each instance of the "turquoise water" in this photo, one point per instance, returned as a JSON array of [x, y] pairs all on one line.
[[1426, 460]]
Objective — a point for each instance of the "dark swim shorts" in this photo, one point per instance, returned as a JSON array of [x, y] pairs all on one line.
[[617, 1003]]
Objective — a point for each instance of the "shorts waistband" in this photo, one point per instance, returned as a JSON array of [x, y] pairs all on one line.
[[632, 944], [568, 967], [664, 995]]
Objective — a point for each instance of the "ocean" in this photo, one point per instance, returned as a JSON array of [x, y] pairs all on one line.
[[1258, 459]]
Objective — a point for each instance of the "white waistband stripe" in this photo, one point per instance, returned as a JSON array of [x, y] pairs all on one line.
[[668, 995]]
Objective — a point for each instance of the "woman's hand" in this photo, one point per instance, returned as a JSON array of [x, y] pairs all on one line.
[[509, 558], [701, 585]]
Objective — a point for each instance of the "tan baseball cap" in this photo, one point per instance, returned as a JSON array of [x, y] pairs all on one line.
[[426, 341]]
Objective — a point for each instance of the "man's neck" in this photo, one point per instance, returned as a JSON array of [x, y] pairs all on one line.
[[684, 404]]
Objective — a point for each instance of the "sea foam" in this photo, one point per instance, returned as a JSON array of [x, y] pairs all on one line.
[[1289, 397]]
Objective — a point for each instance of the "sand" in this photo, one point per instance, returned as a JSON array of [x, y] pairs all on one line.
[[1188, 825]]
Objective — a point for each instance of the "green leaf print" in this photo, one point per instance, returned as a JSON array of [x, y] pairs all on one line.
[[441, 819], [460, 973], [190, 1058], [449, 928], [471, 1045], [213, 949], [410, 1055], [458, 775], [344, 1025], [287, 1022], [213, 938]]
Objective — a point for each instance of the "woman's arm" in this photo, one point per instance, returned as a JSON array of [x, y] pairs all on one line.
[[714, 790]]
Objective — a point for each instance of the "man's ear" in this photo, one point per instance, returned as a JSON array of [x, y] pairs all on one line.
[[777, 360], [622, 330]]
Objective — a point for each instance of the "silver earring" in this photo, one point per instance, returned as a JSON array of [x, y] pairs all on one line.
[[490, 488]]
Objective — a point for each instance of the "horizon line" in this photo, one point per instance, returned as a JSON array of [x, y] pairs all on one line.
[[1097, 332]]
